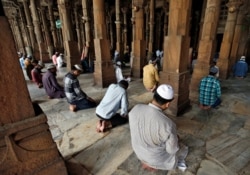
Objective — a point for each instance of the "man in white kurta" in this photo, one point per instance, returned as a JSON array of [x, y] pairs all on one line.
[[153, 134]]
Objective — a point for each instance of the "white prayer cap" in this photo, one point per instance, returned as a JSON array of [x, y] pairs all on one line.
[[118, 63], [242, 58], [78, 67], [165, 91], [51, 66]]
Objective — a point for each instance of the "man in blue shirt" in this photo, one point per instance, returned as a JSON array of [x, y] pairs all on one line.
[[240, 68], [114, 99], [210, 90]]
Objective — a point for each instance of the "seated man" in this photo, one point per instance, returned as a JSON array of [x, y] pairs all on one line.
[[118, 73], [36, 74], [150, 76], [75, 96], [210, 90], [240, 69], [153, 135], [114, 99], [51, 86]]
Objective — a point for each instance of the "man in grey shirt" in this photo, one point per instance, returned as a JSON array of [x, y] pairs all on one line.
[[114, 99], [153, 134]]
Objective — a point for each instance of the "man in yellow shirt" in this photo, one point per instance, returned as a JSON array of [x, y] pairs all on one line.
[[150, 76]]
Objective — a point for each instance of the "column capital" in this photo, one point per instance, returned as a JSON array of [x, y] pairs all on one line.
[[234, 5]]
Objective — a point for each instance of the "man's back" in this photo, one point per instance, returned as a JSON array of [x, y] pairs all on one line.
[[240, 69], [209, 90], [153, 136], [150, 76]]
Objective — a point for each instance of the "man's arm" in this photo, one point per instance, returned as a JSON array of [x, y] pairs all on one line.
[[78, 90], [124, 105]]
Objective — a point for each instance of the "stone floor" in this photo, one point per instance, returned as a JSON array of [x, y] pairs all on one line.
[[218, 140]]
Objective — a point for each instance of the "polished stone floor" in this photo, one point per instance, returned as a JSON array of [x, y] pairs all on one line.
[[218, 140]]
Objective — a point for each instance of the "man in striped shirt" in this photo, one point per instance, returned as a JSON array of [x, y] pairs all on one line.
[[210, 90], [75, 96]]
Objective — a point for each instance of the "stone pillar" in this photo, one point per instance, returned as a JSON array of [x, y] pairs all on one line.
[[71, 47], [47, 32], [139, 40], [52, 24], [206, 45], [104, 73], [19, 36], [118, 27], [176, 50], [27, 146], [30, 25], [151, 26], [125, 28], [78, 33], [234, 55], [226, 45], [158, 41], [147, 30]]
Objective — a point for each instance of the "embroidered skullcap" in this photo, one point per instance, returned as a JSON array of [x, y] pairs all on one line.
[[51, 66], [165, 91], [242, 58], [78, 67], [213, 70], [118, 63]]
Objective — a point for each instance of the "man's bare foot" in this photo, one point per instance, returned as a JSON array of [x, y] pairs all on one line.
[[105, 125], [72, 108], [98, 126], [146, 167]]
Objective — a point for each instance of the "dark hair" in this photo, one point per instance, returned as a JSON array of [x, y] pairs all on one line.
[[160, 100], [123, 83]]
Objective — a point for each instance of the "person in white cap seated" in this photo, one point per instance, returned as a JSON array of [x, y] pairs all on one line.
[[150, 76], [210, 90], [118, 73], [76, 97], [240, 69], [153, 135], [50, 84], [60, 62]]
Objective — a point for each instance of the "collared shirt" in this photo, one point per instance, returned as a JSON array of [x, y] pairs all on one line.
[[59, 61], [153, 136], [240, 69], [150, 76], [114, 99], [210, 90], [50, 83], [36, 76], [72, 88]]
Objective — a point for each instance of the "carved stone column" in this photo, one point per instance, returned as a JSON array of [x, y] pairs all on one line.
[[30, 25], [151, 26], [206, 45], [71, 47], [226, 45], [125, 28], [118, 27], [78, 33], [27, 146], [52, 24], [17, 32], [47, 32], [104, 73], [37, 26], [139, 40], [176, 49]]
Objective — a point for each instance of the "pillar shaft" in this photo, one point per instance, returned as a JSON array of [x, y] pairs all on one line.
[[176, 49], [151, 26], [104, 73], [206, 44], [52, 24], [118, 27]]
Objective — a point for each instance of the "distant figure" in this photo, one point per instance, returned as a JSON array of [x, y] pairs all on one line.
[[240, 69], [51, 86], [54, 57], [114, 99], [210, 90], [21, 60], [75, 96], [60, 62], [150, 76], [118, 73], [29, 65], [37, 74], [216, 67], [116, 56], [154, 135], [84, 59]]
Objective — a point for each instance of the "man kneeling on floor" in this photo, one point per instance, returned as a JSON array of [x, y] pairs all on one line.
[[154, 135], [115, 98], [75, 96]]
